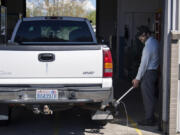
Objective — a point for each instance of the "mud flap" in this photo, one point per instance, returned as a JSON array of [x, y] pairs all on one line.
[[4, 114], [4, 117], [102, 115]]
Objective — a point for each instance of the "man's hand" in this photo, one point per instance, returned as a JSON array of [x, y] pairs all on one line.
[[135, 83]]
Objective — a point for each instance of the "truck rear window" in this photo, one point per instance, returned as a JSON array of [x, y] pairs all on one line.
[[53, 31]]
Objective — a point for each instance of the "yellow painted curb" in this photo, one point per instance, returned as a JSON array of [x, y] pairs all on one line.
[[135, 126]]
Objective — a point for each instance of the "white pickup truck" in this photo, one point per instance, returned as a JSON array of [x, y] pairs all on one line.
[[54, 63]]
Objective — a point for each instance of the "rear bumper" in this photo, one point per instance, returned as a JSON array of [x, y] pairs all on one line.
[[71, 95]]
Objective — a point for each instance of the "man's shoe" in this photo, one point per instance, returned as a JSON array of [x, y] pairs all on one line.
[[147, 122]]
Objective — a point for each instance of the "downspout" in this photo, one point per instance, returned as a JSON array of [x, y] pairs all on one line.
[[166, 62]]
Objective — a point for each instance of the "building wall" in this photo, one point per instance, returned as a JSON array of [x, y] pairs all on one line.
[[14, 9], [174, 69], [106, 18], [172, 91]]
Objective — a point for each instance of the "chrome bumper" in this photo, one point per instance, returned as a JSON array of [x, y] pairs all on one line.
[[72, 95]]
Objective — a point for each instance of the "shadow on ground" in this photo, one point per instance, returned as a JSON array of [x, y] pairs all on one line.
[[71, 122]]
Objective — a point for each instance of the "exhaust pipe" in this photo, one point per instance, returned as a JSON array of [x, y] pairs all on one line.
[[36, 110], [45, 110]]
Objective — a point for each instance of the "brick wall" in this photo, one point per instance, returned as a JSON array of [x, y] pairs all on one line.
[[174, 76]]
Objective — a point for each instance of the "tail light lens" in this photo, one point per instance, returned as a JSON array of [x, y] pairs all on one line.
[[108, 65]]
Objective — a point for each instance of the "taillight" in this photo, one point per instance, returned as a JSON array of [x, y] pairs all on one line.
[[108, 65]]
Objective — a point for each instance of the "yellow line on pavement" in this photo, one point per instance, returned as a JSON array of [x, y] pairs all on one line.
[[135, 126], [56, 125]]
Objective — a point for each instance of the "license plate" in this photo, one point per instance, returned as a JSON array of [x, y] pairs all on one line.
[[46, 94]]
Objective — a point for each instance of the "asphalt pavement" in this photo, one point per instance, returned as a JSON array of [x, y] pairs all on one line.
[[71, 122]]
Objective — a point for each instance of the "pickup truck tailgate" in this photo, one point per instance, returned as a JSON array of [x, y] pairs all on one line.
[[67, 63]]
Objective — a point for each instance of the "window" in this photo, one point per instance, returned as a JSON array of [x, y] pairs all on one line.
[[53, 31]]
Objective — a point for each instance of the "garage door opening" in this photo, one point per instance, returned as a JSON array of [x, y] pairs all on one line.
[[120, 28], [116, 23], [132, 15]]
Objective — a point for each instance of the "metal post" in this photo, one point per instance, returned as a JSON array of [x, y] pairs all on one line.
[[178, 14], [166, 61], [174, 9]]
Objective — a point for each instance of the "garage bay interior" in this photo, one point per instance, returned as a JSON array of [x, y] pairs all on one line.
[[118, 27]]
